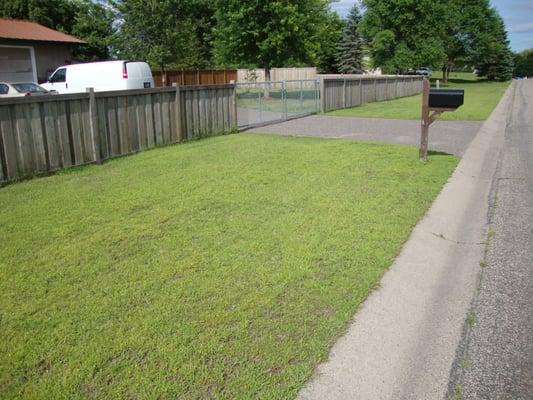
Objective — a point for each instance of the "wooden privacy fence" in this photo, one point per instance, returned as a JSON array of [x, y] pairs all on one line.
[[42, 134], [344, 91], [195, 77]]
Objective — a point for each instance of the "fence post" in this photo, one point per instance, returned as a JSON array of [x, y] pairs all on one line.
[[284, 98], [301, 95], [360, 91], [375, 89], [235, 110], [93, 126], [396, 92], [423, 152], [177, 108], [344, 93], [317, 94], [322, 94]]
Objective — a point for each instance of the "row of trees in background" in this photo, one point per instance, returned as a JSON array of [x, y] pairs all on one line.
[[524, 63], [396, 34], [441, 34]]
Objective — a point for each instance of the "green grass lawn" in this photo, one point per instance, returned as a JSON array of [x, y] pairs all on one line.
[[222, 268], [481, 97]]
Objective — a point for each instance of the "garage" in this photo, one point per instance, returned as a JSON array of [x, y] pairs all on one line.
[[29, 52], [17, 64]]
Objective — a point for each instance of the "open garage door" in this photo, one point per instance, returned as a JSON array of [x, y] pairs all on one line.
[[17, 64]]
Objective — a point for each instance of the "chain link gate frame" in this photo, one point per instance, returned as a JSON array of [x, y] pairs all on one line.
[[264, 103]]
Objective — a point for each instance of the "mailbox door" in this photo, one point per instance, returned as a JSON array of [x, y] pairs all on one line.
[[446, 98]]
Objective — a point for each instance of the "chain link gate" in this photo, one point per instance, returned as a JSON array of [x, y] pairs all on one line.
[[263, 103]]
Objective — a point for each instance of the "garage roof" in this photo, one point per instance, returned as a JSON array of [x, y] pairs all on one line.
[[27, 30]]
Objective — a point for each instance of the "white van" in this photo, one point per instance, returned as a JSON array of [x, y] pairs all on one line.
[[102, 76]]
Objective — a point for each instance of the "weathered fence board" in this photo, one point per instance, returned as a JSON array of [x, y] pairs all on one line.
[[44, 134], [194, 77], [344, 91]]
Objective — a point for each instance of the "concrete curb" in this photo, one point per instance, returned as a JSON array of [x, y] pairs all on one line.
[[402, 342]]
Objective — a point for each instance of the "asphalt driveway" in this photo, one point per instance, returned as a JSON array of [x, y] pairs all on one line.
[[451, 137]]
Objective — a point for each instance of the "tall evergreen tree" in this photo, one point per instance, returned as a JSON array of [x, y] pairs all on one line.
[[494, 58], [350, 48]]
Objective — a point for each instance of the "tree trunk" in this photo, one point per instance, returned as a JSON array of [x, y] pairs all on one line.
[[163, 76], [446, 71], [267, 81]]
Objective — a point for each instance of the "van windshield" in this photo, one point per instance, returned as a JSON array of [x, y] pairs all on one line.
[[59, 76]]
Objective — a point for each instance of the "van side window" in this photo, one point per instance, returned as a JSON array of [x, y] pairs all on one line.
[[4, 89], [59, 76]]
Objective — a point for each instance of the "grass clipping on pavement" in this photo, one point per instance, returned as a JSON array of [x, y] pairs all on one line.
[[223, 268]]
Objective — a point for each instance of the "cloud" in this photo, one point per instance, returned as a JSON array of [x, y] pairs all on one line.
[[522, 28], [343, 7]]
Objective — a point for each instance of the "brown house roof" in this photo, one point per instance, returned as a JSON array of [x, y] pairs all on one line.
[[27, 30]]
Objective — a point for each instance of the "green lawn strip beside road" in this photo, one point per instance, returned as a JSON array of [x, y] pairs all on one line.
[[481, 97], [222, 268]]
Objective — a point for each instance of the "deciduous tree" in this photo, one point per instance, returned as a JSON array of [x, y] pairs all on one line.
[[158, 31], [404, 34], [322, 46], [524, 63], [475, 35], [266, 34]]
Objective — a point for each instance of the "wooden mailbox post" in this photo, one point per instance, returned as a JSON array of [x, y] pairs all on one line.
[[434, 103]]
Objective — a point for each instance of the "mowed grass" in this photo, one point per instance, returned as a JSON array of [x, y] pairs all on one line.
[[223, 268], [481, 97]]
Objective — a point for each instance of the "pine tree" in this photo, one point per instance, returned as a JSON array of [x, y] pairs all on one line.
[[496, 58], [350, 49]]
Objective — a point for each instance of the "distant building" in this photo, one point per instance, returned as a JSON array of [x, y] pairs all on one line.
[[29, 52]]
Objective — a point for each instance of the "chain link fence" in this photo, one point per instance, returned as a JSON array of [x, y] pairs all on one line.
[[261, 103]]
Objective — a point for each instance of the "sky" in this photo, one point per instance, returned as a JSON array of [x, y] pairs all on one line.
[[517, 14]]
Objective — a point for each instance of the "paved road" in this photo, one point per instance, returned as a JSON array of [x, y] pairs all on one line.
[[495, 360], [452, 137]]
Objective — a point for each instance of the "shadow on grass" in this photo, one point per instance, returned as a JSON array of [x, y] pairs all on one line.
[[438, 153], [459, 81]]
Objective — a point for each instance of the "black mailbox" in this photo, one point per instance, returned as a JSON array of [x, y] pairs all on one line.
[[446, 98]]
